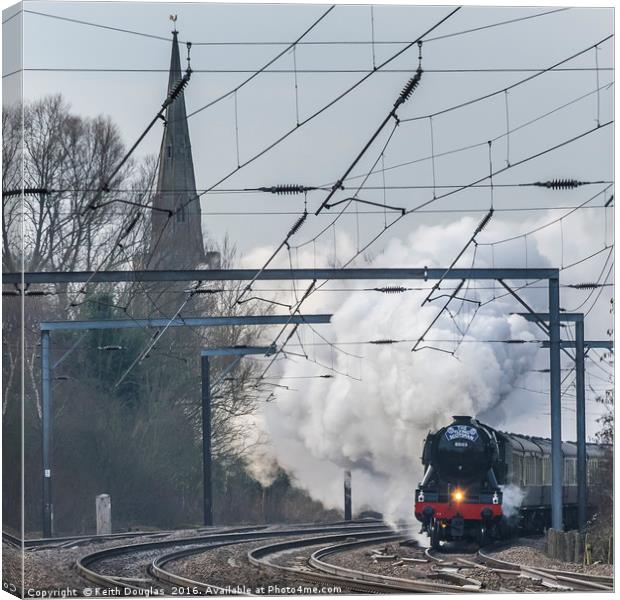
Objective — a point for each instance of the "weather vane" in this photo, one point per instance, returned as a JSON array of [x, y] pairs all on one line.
[[173, 18]]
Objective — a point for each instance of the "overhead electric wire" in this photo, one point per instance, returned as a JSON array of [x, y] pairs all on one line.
[[600, 291], [276, 43], [549, 223], [483, 27], [512, 165], [307, 71], [509, 87], [36, 294], [256, 190], [516, 164], [305, 121], [265, 67], [564, 268], [404, 95], [357, 190], [486, 141], [465, 209], [598, 280]]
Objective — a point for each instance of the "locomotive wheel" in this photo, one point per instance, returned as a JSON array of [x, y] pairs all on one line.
[[435, 536]]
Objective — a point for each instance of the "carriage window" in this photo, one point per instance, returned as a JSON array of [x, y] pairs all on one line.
[[546, 470], [592, 470], [570, 471]]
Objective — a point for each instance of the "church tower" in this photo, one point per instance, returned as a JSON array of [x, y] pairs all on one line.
[[176, 241]]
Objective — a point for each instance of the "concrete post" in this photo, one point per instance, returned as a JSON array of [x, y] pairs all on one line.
[[582, 476], [207, 490], [46, 424], [348, 515], [556, 404], [103, 508]]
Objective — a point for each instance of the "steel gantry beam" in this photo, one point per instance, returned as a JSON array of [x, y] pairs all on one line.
[[423, 273], [186, 322], [581, 347], [274, 275], [207, 472], [46, 371]]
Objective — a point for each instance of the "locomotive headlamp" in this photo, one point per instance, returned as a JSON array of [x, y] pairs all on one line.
[[458, 495]]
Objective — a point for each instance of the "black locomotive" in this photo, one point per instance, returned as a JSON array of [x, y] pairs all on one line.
[[480, 483]]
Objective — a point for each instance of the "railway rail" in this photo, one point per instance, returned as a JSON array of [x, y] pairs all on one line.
[[147, 563], [458, 584], [540, 576], [72, 540], [150, 562]]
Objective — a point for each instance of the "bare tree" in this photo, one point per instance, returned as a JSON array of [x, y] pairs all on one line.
[[70, 157]]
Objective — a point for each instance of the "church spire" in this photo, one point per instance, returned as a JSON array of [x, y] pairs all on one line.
[[177, 241]]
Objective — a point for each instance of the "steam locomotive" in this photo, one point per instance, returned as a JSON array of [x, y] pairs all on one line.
[[480, 484]]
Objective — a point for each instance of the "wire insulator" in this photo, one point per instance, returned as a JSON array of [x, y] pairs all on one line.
[[295, 228], [382, 342], [27, 293], [287, 189], [585, 286], [484, 222], [204, 291], [178, 88], [25, 192], [391, 289], [409, 88], [560, 184], [132, 225]]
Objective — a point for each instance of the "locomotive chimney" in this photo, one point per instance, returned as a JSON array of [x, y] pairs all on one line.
[[462, 419]]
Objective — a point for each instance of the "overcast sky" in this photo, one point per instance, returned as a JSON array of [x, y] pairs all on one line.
[[319, 152]]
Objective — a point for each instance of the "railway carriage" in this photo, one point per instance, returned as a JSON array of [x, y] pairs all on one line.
[[480, 483]]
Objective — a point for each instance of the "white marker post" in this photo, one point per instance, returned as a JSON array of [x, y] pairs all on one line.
[[103, 506]]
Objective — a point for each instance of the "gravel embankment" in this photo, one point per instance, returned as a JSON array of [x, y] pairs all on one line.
[[228, 567], [531, 553], [54, 568], [364, 559]]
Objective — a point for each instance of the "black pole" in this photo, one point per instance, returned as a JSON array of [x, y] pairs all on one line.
[[206, 443], [347, 496], [46, 418], [582, 476]]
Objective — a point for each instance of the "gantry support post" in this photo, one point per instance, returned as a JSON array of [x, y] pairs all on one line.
[[582, 483], [556, 403], [580, 345], [348, 513], [207, 488], [207, 465], [46, 423]]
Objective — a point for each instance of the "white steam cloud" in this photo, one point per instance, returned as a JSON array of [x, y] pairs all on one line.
[[375, 424], [512, 496]]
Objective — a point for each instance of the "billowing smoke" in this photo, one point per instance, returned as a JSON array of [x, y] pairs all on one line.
[[512, 496], [374, 420]]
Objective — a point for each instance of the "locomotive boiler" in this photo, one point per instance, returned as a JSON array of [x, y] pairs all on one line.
[[479, 484]]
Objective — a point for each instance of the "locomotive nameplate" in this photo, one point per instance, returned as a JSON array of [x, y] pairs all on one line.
[[463, 432]]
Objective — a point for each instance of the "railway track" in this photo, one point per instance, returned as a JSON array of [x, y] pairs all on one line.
[[540, 577], [430, 583], [73, 540], [142, 565]]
